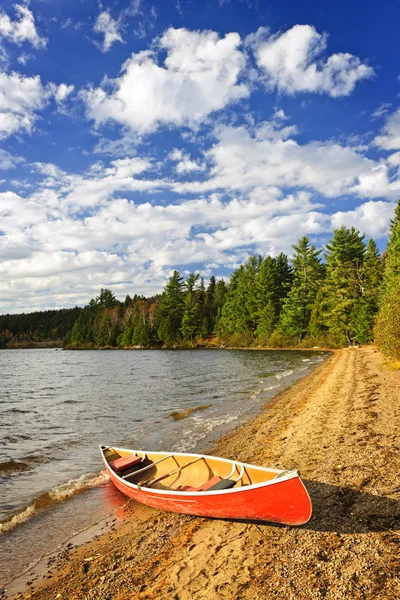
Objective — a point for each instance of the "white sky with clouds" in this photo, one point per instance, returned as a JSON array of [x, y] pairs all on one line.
[[190, 157]]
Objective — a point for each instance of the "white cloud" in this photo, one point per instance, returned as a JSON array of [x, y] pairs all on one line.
[[291, 63], [20, 98], [107, 26], [381, 110], [75, 234], [23, 29], [62, 92], [184, 162], [24, 57], [200, 75], [390, 140], [371, 218], [7, 161], [244, 158]]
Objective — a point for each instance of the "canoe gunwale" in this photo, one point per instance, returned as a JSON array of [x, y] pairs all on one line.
[[286, 475]]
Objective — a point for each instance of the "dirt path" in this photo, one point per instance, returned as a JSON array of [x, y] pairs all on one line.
[[340, 426]]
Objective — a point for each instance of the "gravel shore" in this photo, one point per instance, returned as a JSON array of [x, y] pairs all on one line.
[[340, 426]]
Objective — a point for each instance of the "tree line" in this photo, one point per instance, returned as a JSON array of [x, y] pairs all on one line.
[[25, 329], [345, 294]]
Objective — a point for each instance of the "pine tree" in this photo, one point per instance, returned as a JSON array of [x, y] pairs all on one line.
[[219, 301], [316, 324], [284, 279], [267, 298], [210, 309], [392, 255], [387, 329], [239, 314], [342, 290], [192, 319], [308, 274], [368, 304], [171, 309]]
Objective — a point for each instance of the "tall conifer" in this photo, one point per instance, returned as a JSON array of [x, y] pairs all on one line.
[[308, 273], [342, 290]]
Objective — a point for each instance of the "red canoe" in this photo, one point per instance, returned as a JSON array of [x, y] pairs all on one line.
[[208, 486]]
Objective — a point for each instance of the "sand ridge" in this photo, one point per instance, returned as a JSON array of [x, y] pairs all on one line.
[[339, 425]]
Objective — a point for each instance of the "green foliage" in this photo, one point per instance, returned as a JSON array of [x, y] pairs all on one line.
[[342, 289], [49, 325], [308, 274], [387, 329], [194, 323], [392, 257], [171, 309], [281, 340]]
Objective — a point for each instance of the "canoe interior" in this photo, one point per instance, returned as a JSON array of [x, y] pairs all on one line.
[[176, 475]]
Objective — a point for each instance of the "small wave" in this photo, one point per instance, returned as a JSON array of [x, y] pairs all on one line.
[[306, 360], [191, 438], [13, 466], [13, 439], [58, 494], [183, 414], [284, 374], [21, 411], [272, 387]]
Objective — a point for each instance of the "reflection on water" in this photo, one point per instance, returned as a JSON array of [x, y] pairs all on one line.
[[57, 407]]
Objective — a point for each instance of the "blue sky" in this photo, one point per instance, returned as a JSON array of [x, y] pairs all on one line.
[[137, 137]]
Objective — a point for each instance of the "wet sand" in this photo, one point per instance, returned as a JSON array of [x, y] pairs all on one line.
[[339, 425]]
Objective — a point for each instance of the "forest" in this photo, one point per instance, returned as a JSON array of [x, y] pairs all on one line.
[[342, 295]]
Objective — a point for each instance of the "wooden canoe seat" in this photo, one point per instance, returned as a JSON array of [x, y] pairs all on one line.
[[215, 483], [125, 462]]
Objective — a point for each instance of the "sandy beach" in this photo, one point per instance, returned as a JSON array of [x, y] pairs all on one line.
[[339, 425]]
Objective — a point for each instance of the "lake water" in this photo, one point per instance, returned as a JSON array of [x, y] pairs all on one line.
[[56, 407]]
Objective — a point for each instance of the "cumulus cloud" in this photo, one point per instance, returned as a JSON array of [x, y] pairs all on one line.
[[20, 99], [110, 28], [184, 164], [390, 140], [371, 218], [267, 155], [23, 29], [292, 63], [199, 75], [7, 161], [75, 233]]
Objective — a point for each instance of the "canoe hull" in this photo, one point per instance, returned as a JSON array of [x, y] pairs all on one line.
[[284, 501]]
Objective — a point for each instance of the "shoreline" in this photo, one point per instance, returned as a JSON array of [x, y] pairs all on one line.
[[338, 425]]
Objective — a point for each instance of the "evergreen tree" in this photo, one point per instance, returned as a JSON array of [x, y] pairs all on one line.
[[171, 308], [308, 274], [210, 309], [267, 298], [317, 325], [392, 256], [284, 278], [368, 304], [239, 313], [219, 301], [387, 329], [342, 290], [103, 332], [106, 299], [192, 319]]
